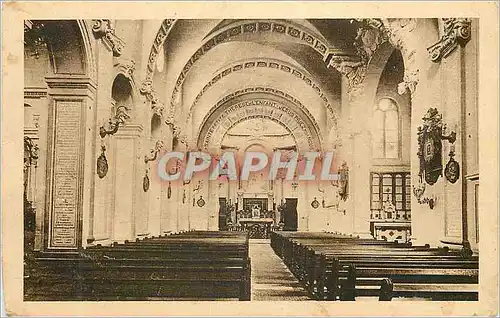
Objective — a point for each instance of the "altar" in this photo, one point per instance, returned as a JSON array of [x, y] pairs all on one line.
[[257, 228]]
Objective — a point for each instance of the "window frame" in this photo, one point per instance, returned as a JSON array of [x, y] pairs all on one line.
[[405, 208], [384, 132]]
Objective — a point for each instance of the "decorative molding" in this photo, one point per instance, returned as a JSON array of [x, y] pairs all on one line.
[[125, 67], [157, 107], [256, 108], [31, 149], [268, 90], [370, 35], [153, 153], [104, 29], [120, 117], [395, 30], [456, 31], [147, 88], [352, 68], [272, 64], [71, 82], [35, 92], [160, 37], [246, 27], [409, 83]]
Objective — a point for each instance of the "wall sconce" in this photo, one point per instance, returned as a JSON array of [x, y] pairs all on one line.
[[113, 124], [418, 192], [153, 153]]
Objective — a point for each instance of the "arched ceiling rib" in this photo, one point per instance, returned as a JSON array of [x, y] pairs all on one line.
[[274, 64], [279, 34], [233, 110], [206, 60], [262, 77]]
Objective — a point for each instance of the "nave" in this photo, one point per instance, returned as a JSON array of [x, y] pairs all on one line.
[[394, 100], [204, 265]]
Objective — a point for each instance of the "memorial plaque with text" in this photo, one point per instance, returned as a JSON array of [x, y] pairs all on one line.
[[66, 169]]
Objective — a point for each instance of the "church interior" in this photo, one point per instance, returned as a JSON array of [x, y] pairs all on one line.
[[395, 100]]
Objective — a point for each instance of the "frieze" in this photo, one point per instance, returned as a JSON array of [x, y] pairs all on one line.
[[368, 39], [456, 31], [257, 109], [162, 34], [266, 90], [104, 29], [35, 93], [248, 27], [278, 65]]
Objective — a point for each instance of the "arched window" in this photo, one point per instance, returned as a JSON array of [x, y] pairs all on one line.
[[386, 129]]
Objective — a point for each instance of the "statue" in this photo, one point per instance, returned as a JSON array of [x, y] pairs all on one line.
[[389, 209], [255, 212]]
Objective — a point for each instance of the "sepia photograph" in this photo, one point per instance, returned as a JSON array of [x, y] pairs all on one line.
[[319, 159]]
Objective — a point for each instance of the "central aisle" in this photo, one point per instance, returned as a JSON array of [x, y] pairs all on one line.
[[271, 279]]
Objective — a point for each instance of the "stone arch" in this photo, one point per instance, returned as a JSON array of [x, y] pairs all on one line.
[[264, 93], [271, 64], [88, 43], [221, 119], [122, 94], [69, 46], [292, 32]]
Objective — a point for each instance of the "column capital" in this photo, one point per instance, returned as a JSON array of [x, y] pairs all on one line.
[[456, 31]]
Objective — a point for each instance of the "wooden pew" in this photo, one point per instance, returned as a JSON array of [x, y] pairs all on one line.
[[188, 267], [340, 267]]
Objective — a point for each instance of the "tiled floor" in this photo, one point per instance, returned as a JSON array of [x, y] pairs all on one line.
[[271, 279]]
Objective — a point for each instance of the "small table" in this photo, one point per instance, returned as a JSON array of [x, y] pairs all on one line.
[[391, 230], [258, 228]]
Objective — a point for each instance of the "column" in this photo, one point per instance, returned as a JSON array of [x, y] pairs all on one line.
[[128, 187]]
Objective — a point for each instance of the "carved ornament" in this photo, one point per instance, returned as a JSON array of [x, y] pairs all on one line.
[[430, 136], [104, 29], [456, 31]]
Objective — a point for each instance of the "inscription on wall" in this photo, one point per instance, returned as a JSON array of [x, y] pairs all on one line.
[[66, 178]]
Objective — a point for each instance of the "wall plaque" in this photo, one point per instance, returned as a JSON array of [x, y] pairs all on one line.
[[66, 195], [430, 136]]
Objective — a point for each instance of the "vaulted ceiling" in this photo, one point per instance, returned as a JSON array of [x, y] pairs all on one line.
[[208, 63]]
